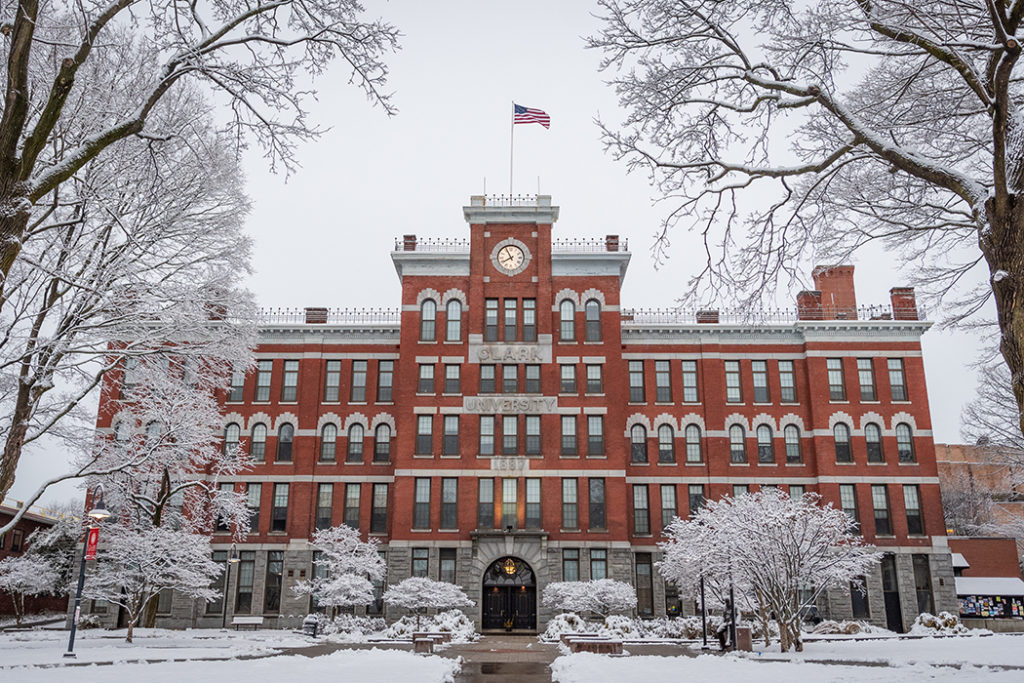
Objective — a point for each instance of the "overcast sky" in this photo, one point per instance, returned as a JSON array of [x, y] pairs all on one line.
[[323, 235]]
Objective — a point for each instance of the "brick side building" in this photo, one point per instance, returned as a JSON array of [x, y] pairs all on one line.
[[514, 425], [14, 543]]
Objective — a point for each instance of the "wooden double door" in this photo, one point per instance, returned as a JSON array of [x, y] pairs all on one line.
[[515, 603]]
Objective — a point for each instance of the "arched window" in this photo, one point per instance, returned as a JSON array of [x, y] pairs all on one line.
[[792, 437], [382, 443], [428, 319], [232, 433], [905, 443], [567, 320], [841, 434], [666, 444], [873, 438], [355, 443], [765, 447], [328, 442], [258, 442], [453, 322], [693, 450], [592, 313], [285, 436], [152, 432], [122, 431], [737, 444], [638, 443]]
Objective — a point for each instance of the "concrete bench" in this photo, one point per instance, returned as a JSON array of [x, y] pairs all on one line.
[[566, 637], [424, 646], [255, 622], [599, 646], [437, 636]]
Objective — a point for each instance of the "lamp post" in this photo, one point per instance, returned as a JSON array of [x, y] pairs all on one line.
[[232, 561], [98, 513], [703, 614]]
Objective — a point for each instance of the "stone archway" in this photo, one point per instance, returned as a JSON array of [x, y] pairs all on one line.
[[509, 596]]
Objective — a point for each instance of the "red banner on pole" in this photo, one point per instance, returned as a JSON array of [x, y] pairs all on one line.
[[92, 542]]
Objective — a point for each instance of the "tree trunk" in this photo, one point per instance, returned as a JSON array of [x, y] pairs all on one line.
[[149, 612], [15, 210], [19, 607], [15, 440], [131, 627]]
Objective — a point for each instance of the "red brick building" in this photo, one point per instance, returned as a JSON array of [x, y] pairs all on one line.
[[13, 544], [514, 424]]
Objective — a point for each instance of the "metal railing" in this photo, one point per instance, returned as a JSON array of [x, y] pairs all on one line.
[[589, 245], [434, 244], [669, 316], [505, 200], [330, 316]]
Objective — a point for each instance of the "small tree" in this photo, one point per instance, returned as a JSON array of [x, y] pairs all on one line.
[[56, 545], [775, 544], [602, 597], [345, 568], [136, 565], [418, 594], [25, 576]]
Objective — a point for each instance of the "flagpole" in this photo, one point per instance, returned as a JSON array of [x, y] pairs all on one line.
[[511, 149]]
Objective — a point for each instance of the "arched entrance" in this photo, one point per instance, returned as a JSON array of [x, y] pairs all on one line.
[[509, 595]]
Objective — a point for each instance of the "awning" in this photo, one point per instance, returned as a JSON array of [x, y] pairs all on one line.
[[960, 562], [989, 585]]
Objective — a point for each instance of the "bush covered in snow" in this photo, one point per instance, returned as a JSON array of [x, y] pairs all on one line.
[[350, 626], [567, 622], [621, 627], [451, 621], [930, 624], [829, 627]]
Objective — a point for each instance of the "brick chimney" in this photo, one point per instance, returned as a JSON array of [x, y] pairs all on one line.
[[408, 242], [611, 242], [838, 299], [316, 316], [707, 317], [808, 305], [904, 303]]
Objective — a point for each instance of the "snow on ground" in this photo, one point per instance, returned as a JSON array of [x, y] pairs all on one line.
[[590, 668], [41, 647], [364, 666]]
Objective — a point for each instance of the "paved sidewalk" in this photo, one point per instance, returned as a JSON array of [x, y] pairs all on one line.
[[504, 659]]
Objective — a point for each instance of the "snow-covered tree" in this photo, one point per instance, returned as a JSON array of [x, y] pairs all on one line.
[[27, 575], [776, 544], [56, 545], [137, 260], [602, 596], [345, 567], [852, 121], [418, 594], [135, 565], [61, 57]]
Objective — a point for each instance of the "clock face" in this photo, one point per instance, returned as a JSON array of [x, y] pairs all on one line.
[[510, 257]]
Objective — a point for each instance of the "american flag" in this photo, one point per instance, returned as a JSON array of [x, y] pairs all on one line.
[[526, 115]]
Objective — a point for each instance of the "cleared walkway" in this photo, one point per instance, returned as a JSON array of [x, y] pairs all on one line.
[[504, 659]]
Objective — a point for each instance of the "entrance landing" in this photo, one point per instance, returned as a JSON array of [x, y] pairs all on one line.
[[504, 659]]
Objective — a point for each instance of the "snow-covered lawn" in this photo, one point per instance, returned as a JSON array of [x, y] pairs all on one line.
[[364, 666]]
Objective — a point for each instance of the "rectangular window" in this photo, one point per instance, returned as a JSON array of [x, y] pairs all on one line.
[[912, 502], [485, 503], [222, 523], [529, 320], [263, 372], [847, 500], [598, 516], [421, 562], [668, 504], [279, 511], [696, 498], [897, 379], [923, 584], [796, 491], [533, 520], [733, 388], [787, 382], [490, 320], [859, 598], [426, 380], [452, 383], [358, 393], [740, 490], [332, 381], [533, 435], [446, 565], [421, 504], [352, 492], [595, 435], [866, 379], [450, 442], [636, 381], [510, 379], [511, 316], [510, 435], [449, 503], [424, 434], [216, 606], [568, 384], [290, 383], [510, 503], [759, 373], [252, 502], [246, 570], [237, 390], [324, 505], [595, 383], [641, 511], [644, 585], [690, 381], [880, 503], [570, 511], [533, 379], [570, 564], [379, 511], [487, 381], [486, 435], [385, 380], [569, 435], [836, 382], [598, 564], [662, 381]]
